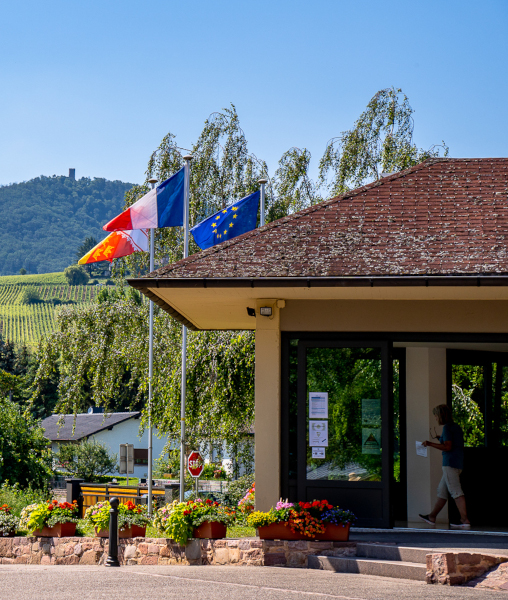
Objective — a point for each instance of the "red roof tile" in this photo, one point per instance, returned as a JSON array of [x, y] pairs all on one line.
[[442, 217]]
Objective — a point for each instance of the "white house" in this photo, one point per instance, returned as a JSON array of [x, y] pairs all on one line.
[[111, 429]]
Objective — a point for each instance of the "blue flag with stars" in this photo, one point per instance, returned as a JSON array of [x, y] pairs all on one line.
[[226, 224]]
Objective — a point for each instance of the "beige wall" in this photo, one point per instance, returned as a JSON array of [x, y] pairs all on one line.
[[267, 397], [397, 315], [425, 388]]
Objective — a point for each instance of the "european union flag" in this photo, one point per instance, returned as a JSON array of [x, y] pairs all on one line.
[[228, 223]]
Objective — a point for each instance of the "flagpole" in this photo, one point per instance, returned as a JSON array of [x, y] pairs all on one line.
[[152, 182], [262, 183], [187, 159]]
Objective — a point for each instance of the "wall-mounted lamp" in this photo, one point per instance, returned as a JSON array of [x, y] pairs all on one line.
[[265, 311]]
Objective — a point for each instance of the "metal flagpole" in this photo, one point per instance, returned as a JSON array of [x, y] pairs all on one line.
[[262, 183], [187, 159], [152, 182]]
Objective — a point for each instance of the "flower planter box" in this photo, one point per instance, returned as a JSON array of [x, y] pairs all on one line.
[[278, 531], [12, 534], [334, 533], [212, 530], [129, 532], [282, 531], [58, 530]]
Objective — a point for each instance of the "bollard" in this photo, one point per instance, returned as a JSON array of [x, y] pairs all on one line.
[[112, 560]]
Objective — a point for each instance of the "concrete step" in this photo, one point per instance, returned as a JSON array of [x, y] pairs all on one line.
[[391, 552], [369, 566]]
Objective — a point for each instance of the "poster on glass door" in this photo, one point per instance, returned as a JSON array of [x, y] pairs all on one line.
[[318, 405], [318, 433]]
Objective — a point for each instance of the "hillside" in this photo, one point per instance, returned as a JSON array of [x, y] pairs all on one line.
[[27, 323], [44, 220]]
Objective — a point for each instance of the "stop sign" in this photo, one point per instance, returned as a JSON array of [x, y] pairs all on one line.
[[195, 464]]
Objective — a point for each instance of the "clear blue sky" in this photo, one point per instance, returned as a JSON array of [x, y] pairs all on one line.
[[95, 85]]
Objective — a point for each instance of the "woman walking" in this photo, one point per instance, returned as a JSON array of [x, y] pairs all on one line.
[[451, 443]]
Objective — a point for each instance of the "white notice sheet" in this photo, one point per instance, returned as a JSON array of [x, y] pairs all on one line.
[[318, 405], [421, 450], [318, 433]]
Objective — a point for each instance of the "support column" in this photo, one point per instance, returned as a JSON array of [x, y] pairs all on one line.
[[425, 388], [268, 400]]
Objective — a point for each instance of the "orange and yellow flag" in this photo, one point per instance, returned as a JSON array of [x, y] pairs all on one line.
[[116, 245]]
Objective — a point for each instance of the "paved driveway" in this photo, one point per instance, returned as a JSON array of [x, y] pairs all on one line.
[[32, 582]]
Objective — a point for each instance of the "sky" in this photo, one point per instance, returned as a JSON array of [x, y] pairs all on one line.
[[96, 85]]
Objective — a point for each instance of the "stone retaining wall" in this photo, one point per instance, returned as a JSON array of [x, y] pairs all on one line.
[[455, 568], [162, 551]]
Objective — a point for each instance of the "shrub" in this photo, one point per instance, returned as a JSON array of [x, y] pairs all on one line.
[[17, 498], [8, 521], [76, 275], [87, 460], [94, 282], [30, 295], [22, 271], [238, 488], [110, 282]]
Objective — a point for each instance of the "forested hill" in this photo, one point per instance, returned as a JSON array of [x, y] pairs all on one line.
[[44, 220]]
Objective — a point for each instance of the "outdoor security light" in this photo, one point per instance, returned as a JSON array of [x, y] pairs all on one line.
[[266, 311]]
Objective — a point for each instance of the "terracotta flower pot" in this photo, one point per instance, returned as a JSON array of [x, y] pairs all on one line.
[[211, 530], [334, 533], [58, 530], [278, 531], [129, 532]]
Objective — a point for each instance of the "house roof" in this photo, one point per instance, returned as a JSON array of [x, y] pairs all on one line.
[[86, 425], [444, 218]]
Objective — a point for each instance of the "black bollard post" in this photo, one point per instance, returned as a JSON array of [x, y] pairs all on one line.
[[112, 560]]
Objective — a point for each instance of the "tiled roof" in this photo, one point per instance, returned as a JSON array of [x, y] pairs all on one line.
[[86, 424], [442, 217]]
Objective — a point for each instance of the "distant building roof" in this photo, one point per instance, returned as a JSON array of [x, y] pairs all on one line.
[[86, 424]]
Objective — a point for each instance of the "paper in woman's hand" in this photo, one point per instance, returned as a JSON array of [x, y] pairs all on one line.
[[421, 450]]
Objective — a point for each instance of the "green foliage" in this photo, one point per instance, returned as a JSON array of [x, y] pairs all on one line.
[[30, 295], [380, 141], [238, 488], [76, 275], [44, 220], [22, 271], [17, 497], [24, 454], [86, 460], [8, 521], [85, 247]]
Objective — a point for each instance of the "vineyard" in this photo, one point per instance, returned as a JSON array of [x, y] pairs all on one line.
[[27, 323]]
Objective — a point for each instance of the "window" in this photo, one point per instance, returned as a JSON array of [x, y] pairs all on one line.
[[140, 456]]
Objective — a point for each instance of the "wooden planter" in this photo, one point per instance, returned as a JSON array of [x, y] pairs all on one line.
[[334, 533], [212, 530], [58, 530], [282, 531], [130, 532], [278, 531]]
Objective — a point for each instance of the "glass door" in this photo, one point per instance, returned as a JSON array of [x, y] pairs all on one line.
[[344, 426]]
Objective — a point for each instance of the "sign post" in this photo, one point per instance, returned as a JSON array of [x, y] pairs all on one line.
[[126, 466], [195, 466]]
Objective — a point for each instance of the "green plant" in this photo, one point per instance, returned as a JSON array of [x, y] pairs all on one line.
[[17, 498], [178, 519], [238, 488], [87, 459], [8, 521], [76, 275], [128, 514], [30, 295], [48, 514]]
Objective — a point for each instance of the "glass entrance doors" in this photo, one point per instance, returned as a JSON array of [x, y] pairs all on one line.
[[337, 430]]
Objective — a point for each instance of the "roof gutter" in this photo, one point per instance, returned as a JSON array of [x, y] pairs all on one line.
[[143, 284]]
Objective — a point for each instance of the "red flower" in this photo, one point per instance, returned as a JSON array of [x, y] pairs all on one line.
[[50, 507]]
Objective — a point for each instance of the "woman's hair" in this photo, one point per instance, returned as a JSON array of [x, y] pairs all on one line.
[[443, 413]]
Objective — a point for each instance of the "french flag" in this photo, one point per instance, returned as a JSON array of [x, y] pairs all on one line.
[[161, 207]]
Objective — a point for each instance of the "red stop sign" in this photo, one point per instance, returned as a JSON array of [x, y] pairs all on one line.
[[195, 464]]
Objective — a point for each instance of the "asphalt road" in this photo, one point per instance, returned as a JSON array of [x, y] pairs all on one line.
[[33, 582]]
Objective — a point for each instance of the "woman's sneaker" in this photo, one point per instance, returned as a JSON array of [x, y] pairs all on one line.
[[426, 518], [460, 525]]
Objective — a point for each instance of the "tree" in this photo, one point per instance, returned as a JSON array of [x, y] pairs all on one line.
[[76, 275], [24, 454], [380, 141], [89, 243], [87, 460], [22, 271]]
